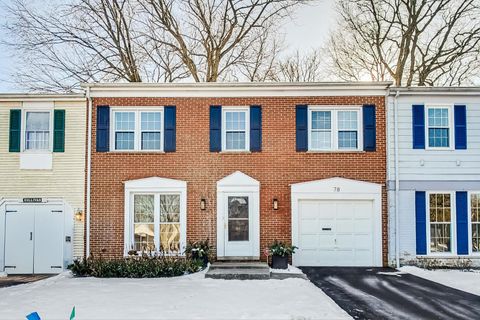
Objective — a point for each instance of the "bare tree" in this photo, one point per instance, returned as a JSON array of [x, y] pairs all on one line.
[[298, 67], [408, 41], [214, 37]]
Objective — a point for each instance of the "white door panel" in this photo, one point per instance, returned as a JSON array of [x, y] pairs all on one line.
[[335, 233], [49, 239], [19, 239]]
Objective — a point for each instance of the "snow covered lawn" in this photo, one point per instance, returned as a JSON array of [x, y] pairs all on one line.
[[468, 281], [188, 297]]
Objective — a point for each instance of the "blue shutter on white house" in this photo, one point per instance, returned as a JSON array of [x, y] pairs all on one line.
[[369, 128], [255, 128], [103, 128], [421, 222], [418, 126], [301, 123], [170, 131], [215, 128], [462, 222], [460, 119]]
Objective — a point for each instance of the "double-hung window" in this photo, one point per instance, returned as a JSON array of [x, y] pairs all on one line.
[[439, 127], [333, 128], [37, 130], [440, 217], [475, 221], [137, 130], [156, 222], [236, 123]]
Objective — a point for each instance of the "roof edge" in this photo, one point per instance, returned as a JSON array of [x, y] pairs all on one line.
[[41, 97]]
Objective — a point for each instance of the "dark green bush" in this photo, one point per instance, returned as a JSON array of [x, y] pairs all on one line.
[[135, 267]]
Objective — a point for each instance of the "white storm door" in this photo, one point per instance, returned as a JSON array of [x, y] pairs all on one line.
[[239, 225], [49, 239], [19, 239]]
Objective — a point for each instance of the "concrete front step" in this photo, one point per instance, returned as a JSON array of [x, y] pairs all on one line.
[[251, 270]]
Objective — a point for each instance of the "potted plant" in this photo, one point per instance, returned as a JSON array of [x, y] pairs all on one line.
[[198, 250], [280, 252]]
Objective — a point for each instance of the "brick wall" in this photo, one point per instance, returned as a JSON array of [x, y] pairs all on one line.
[[276, 167]]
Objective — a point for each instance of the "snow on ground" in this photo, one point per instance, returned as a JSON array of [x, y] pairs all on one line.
[[290, 269], [468, 281], [188, 297]]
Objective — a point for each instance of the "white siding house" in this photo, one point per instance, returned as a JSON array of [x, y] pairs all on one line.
[[434, 174]]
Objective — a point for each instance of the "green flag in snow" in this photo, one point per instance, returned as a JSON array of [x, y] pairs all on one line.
[[72, 315]]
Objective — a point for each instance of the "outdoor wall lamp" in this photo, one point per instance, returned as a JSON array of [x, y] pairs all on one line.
[[79, 214], [203, 204], [275, 204]]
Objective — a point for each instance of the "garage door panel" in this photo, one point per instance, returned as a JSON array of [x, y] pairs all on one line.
[[348, 240]]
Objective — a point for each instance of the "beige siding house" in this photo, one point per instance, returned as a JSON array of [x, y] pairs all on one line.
[[42, 170]]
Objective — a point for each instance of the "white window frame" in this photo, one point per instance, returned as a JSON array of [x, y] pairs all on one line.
[[451, 134], [154, 186], [247, 128], [24, 132], [137, 145], [470, 249], [334, 127], [453, 223]]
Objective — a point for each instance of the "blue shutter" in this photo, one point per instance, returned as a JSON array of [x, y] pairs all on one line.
[[103, 128], [301, 121], [255, 128], [418, 125], [170, 132], [369, 128], [215, 128], [462, 222], [421, 222], [460, 118]]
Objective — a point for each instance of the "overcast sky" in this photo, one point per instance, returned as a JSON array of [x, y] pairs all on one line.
[[308, 30]]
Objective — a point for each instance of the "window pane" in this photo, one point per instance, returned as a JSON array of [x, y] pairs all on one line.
[[440, 237], [438, 117], [237, 230], [321, 120], [169, 208], [321, 140], [37, 131], [125, 121], [151, 121], [235, 120], [347, 120], [438, 137], [143, 208], [475, 237], [170, 237], [347, 140], [124, 140], [238, 207], [144, 237], [150, 140], [475, 218], [235, 141]]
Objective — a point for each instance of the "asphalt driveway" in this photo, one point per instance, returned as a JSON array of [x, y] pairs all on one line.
[[382, 293]]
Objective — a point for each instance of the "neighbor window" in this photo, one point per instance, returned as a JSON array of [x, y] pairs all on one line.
[[156, 222], [235, 121], [37, 131], [475, 221], [334, 129], [438, 127], [440, 222], [137, 130]]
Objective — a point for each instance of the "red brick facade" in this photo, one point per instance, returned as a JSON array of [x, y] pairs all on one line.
[[276, 167]]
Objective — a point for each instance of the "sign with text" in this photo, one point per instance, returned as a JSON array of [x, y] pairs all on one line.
[[32, 200]]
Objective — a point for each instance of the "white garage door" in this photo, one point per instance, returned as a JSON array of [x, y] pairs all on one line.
[[335, 233], [34, 239]]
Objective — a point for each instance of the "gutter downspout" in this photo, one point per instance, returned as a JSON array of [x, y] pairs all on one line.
[[397, 181], [89, 170]]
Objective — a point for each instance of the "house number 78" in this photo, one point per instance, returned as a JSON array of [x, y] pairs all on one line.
[[336, 189]]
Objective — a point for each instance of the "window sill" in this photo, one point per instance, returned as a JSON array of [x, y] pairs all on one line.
[[336, 151], [236, 152], [135, 152]]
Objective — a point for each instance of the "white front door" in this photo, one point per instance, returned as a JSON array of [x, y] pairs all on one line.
[[335, 233], [19, 225], [239, 228]]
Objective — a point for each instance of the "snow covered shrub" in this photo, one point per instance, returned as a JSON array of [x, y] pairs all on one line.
[[135, 267], [199, 250]]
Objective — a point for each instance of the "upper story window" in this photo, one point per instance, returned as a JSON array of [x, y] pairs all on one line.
[[137, 130], [37, 130], [439, 127], [334, 129], [235, 122]]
